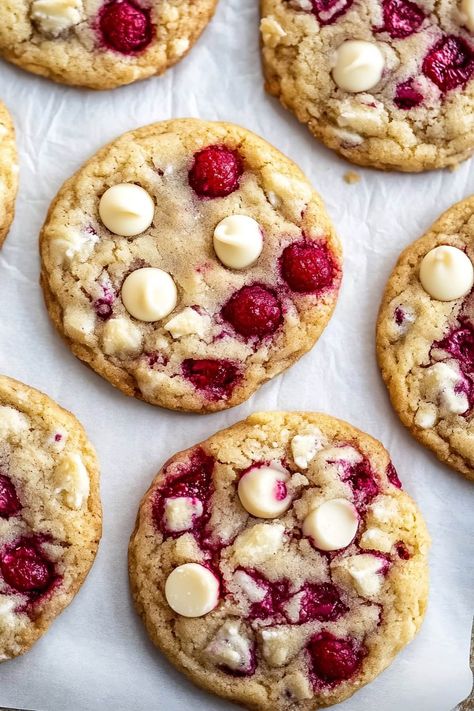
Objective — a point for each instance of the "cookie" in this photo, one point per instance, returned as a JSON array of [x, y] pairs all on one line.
[[425, 338], [8, 172], [384, 83], [189, 262], [50, 513], [100, 44], [279, 564]]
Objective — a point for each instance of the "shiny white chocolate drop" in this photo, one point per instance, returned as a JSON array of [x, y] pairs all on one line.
[[262, 492], [446, 273], [332, 525], [126, 209], [192, 590], [359, 66], [238, 241], [149, 294]]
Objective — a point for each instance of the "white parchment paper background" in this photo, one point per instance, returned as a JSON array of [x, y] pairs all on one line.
[[96, 656]]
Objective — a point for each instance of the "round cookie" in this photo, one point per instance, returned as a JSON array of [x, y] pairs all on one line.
[[8, 172], [425, 346], [50, 513], [158, 313], [100, 44], [299, 607], [385, 83]]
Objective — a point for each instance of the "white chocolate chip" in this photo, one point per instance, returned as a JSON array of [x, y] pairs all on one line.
[[467, 11], [263, 493], [149, 294], [12, 422], [305, 446], [78, 323], [192, 590], [275, 646], [259, 543], [384, 509], [70, 243], [297, 683], [126, 209], [238, 241], [252, 590], [370, 120], [377, 540], [179, 46], [121, 336], [364, 571], [230, 648], [7, 616], [272, 31], [186, 323], [441, 385], [446, 273], [332, 525], [71, 481], [359, 65], [56, 16], [179, 513], [426, 415]]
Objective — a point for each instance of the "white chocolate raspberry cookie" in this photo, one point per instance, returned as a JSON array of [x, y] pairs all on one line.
[[279, 564], [385, 83], [50, 513], [188, 263], [425, 338], [100, 44], [8, 172]]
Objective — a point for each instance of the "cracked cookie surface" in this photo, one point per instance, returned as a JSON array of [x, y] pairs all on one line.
[[100, 44], [203, 336], [8, 172], [425, 347], [50, 513], [291, 625], [404, 95]]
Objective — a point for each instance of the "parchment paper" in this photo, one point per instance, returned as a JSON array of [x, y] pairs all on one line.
[[96, 656]]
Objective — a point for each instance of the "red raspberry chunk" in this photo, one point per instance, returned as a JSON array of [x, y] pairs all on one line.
[[450, 63], [307, 267], [9, 501], [363, 483], [393, 477], [321, 602], [402, 18], [25, 568], [125, 26], [333, 659], [253, 311], [216, 172], [327, 11], [407, 97], [216, 378]]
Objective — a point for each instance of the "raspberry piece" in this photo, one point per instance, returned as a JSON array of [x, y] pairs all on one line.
[[402, 18], [217, 378], [216, 172], [307, 267], [402, 551], [460, 344], [321, 602], [278, 594], [9, 501], [253, 311], [363, 483], [392, 476], [25, 569], [333, 659], [327, 11], [406, 96], [450, 63], [125, 26]]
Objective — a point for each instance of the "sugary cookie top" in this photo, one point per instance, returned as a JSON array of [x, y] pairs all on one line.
[[425, 338], [8, 171], [279, 564], [100, 43], [387, 83], [50, 517], [188, 263]]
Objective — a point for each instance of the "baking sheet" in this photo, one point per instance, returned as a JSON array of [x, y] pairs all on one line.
[[96, 655]]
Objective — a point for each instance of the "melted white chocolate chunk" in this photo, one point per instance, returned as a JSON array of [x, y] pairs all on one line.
[[263, 493], [56, 16], [71, 481], [126, 209], [446, 273], [238, 241], [332, 525], [192, 590], [179, 513], [149, 294], [359, 66]]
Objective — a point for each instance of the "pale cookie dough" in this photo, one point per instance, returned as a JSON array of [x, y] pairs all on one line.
[[425, 346], [385, 83], [50, 513], [250, 608], [233, 281], [8, 172], [100, 44]]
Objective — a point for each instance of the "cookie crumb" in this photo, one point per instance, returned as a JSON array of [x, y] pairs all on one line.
[[351, 177]]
